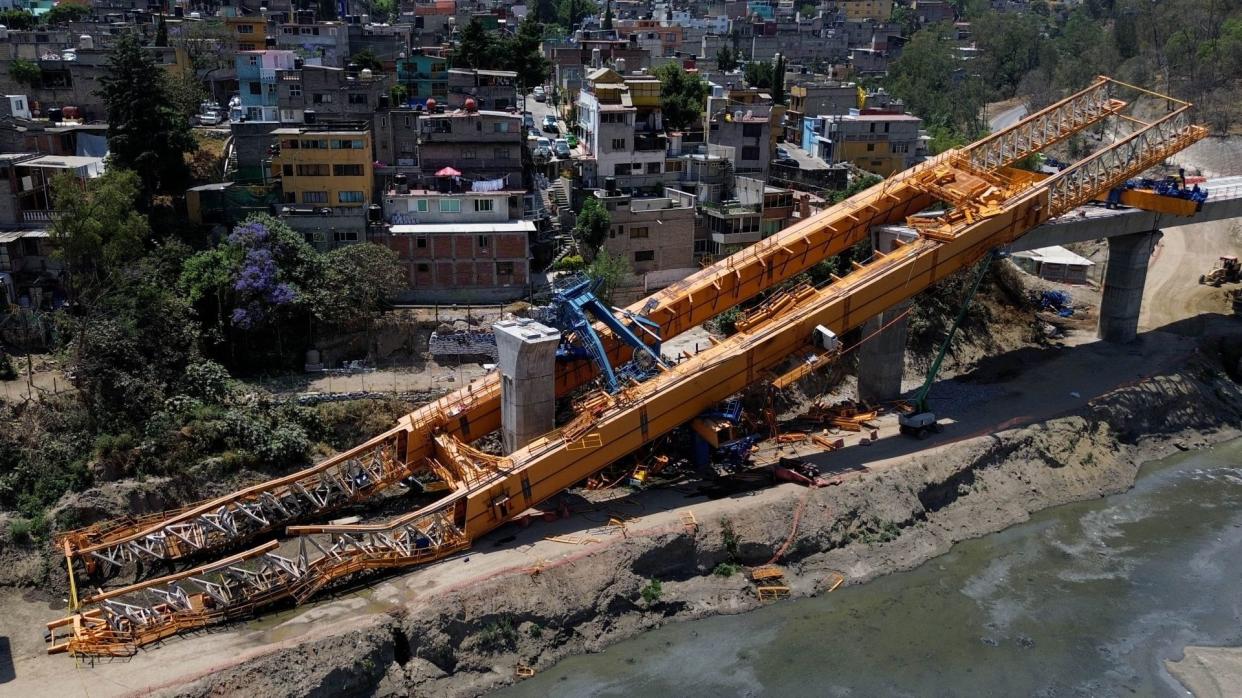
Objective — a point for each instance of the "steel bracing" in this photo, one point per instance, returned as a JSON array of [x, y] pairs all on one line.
[[993, 206]]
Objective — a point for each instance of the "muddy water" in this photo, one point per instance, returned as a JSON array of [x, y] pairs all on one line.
[[1083, 600]]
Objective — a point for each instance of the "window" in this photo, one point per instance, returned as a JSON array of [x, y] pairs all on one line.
[[286, 170], [752, 130], [501, 153], [900, 147], [484, 242], [501, 127], [424, 268], [314, 144], [421, 242], [504, 268], [254, 88], [618, 144], [345, 235], [467, 153], [312, 170], [349, 197], [349, 144], [288, 30], [421, 206], [295, 90], [484, 205], [653, 168], [291, 144], [245, 29], [253, 60], [750, 152], [30, 247], [870, 147], [644, 256], [358, 98], [450, 206], [638, 231], [321, 98], [347, 170], [314, 197]]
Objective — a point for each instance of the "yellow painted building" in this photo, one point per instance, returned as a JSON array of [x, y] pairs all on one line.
[[866, 9], [322, 166], [250, 33]]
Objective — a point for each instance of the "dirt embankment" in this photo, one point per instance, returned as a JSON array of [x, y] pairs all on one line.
[[468, 640]]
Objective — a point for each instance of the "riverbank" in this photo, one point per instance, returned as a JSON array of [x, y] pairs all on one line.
[[1075, 427], [1210, 672]]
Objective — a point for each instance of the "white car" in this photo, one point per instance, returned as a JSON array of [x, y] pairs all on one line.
[[210, 118], [539, 94]]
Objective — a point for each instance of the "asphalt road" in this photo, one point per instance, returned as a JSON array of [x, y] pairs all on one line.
[[1007, 118]]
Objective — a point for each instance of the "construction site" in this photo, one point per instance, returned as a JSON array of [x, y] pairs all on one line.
[[606, 478]]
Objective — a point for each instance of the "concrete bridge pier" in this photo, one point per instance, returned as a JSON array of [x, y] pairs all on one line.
[[882, 355], [1124, 279], [526, 356]]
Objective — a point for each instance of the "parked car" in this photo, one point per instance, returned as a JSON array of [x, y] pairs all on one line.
[[528, 120], [549, 124], [534, 133], [561, 147], [543, 142], [540, 96], [210, 118]]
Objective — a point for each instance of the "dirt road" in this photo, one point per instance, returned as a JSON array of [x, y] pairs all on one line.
[[1173, 290]]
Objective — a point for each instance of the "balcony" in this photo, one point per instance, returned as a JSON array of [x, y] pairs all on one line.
[[39, 217]]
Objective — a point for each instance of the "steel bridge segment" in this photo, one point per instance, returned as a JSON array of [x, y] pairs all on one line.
[[677, 308]]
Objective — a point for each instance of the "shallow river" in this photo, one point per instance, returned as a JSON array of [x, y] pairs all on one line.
[[1086, 599]]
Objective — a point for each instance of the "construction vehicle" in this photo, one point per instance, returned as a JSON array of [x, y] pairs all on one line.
[[1225, 271], [920, 421], [989, 205]]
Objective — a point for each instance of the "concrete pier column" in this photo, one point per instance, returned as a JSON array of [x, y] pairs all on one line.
[[1124, 279], [526, 356], [882, 357]]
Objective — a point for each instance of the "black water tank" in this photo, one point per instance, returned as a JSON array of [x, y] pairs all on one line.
[[610, 185], [383, 102], [54, 114], [308, 116], [375, 214]]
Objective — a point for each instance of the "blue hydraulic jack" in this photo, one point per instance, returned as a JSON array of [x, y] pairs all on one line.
[[576, 299]]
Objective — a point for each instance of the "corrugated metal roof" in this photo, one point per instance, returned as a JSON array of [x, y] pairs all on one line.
[[12, 235], [1056, 255]]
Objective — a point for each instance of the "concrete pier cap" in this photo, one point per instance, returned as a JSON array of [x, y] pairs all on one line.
[[526, 357]]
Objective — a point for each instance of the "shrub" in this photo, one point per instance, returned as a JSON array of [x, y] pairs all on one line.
[[7, 371], [573, 262], [727, 569], [498, 634], [652, 592]]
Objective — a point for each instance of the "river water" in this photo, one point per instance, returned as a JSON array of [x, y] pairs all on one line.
[[1086, 599]]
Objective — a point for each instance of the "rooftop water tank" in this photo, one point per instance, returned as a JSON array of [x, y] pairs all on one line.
[[4, 32], [86, 42], [366, 74]]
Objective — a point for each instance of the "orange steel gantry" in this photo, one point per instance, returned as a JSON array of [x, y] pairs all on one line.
[[990, 204]]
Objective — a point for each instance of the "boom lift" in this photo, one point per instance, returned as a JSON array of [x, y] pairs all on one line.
[[992, 204]]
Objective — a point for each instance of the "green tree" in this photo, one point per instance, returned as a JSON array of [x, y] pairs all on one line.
[[367, 59], [18, 19], [383, 10], [397, 94], [98, 232], [930, 79], [325, 10], [359, 281], [725, 59], [25, 72], [778, 80], [808, 10], [161, 32], [608, 15], [476, 49], [570, 13], [592, 224], [186, 92], [609, 272], [1009, 45], [146, 133], [758, 74], [524, 55], [65, 13], [682, 96]]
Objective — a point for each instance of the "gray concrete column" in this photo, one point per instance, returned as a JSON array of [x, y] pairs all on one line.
[[882, 357], [1124, 279], [526, 357]]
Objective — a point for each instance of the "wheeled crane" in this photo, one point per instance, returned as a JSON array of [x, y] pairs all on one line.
[[991, 204]]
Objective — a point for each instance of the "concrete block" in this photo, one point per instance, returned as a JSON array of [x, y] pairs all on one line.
[[526, 357]]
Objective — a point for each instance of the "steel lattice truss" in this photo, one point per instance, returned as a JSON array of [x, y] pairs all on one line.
[[340, 481], [1110, 167], [1038, 131]]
